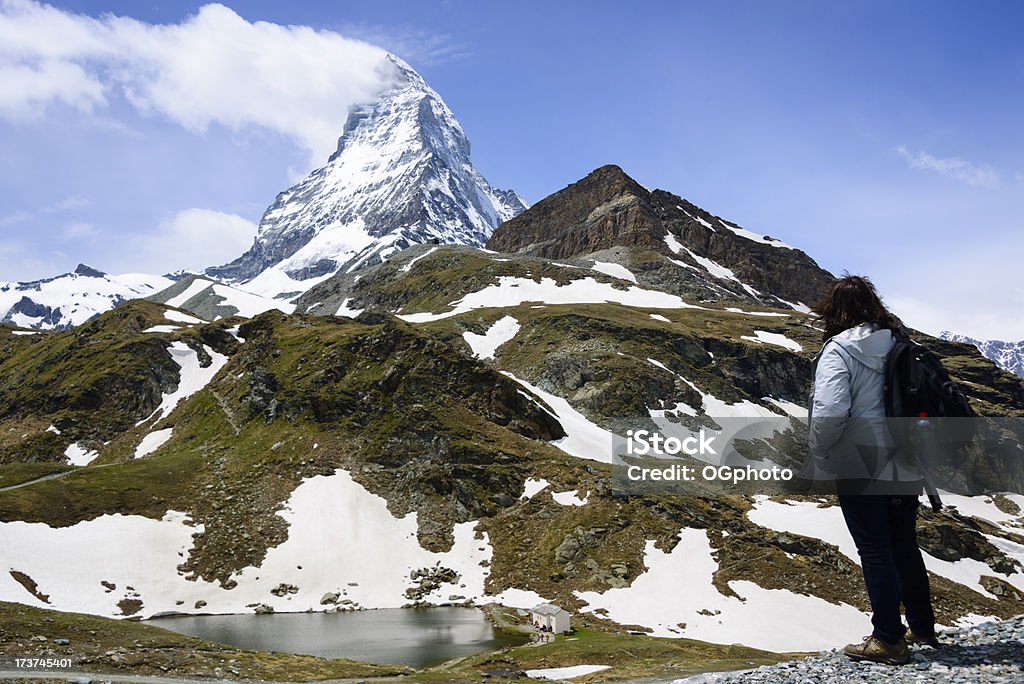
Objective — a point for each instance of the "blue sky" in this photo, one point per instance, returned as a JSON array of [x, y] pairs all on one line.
[[881, 138]]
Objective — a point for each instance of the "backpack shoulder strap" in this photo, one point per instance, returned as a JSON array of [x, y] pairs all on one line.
[[893, 380]]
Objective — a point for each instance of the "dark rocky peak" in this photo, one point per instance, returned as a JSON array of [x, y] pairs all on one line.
[[708, 257], [84, 270], [605, 209]]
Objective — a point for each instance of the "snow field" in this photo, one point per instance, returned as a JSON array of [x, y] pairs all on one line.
[[153, 441], [560, 673], [365, 554], [79, 456], [193, 377], [583, 438], [614, 270], [675, 597], [827, 524], [778, 339], [511, 291], [79, 297], [485, 346]]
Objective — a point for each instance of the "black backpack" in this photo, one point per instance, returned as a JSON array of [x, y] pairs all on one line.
[[918, 386]]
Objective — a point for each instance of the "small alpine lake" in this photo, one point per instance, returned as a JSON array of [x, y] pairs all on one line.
[[417, 637]]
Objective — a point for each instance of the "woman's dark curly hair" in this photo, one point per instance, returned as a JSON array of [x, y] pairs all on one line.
[[850, 301]]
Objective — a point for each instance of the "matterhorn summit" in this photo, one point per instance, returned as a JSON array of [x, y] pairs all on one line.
[[401, 175]]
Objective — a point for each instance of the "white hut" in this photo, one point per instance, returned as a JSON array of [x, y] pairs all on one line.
[[551, 617]]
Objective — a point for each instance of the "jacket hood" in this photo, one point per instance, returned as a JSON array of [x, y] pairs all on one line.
[[867, 343]]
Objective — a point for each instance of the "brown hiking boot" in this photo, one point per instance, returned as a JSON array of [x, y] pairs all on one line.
[[878, 651], [919, 640]]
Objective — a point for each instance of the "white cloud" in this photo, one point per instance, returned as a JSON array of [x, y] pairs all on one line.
[[976, 175], [78, 230], [69, 203], [192, 239], [20, 216], [212, 68]]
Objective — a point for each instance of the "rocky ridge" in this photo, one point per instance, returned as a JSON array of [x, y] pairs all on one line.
[[609, 209]]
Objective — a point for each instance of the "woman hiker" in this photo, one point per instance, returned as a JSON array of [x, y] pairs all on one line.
[[878, 493]]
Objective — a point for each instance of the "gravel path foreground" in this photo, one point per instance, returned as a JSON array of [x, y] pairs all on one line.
[[990, 653]]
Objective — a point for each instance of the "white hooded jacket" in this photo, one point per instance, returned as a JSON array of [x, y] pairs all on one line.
[[849, 438]]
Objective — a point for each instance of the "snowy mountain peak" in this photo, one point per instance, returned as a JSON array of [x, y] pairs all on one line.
[[73, 298], [401, 175], [1007, 355]]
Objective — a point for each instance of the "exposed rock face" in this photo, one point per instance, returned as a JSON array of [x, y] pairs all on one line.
[[608, 209], [605, 209], [401, 175]]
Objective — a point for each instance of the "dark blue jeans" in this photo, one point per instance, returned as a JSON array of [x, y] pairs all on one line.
[[882, 527]]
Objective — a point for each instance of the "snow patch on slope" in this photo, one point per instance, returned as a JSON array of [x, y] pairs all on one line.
[[677, 590], [778, 339], [153, 441], [533, 486], [512, 291], [485, 346], [570, 498], [365, 553], [246, 303], [192, 377], [756, 237], [560, 673], [614, 270], [827, 524], [412, 262], [180, 317], [583, 439], [79, 456], [710, 404], [345, 310]]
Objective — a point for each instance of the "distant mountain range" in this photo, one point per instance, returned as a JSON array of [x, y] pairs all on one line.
[[1007, 355], [71, 299]]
